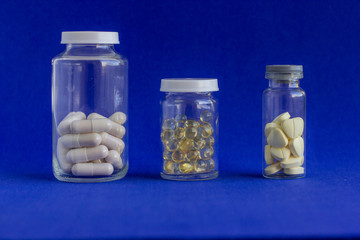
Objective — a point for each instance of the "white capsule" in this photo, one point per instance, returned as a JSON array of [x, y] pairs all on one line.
[[294, 171], [277, 138], [273, 168], [118, 117], [61, 156], [291, 162], [81, 140], [112, 143], [95, 116], [64, 126], [280, 154], [92, 169], [268, 157], [115, 159], [79, 155], [98, 125], [282, 117]]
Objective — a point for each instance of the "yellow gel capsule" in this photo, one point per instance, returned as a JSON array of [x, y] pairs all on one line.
[[190, 132], [210, 164], [180, 124], [186, 144], [199, 143], [209, 141], [200, 166], [206, 153], [192, 155], [178, 156], [207, 130], [167, 135], [167, 155], [179, 133], [169, 166], [169, 124], [192, 123], [185, 167], [206, 116], [171, 145], [180, 117]]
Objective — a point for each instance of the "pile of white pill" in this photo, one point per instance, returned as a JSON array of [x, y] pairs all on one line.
[[285, 149], [91, 146]]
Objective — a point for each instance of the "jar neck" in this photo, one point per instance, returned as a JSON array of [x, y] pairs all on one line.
[[275, 83], [188, 93], [90, 46]]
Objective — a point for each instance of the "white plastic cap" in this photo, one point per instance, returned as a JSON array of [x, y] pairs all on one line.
[[189, 85], [89, 37]]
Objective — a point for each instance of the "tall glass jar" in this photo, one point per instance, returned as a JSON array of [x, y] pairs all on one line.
[[284, 123], [189, 130], [89, 109]]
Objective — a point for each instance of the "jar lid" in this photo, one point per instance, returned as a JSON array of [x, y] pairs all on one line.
[[284, 68], [89, 37], [284, 72], [189, 85]]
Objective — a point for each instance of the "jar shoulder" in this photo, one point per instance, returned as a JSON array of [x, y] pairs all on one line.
[[100, 56], [179, 98], [295, 92]]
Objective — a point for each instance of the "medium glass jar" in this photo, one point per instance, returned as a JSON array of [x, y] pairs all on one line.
[[189, 131], [89, 109], [284, 123]]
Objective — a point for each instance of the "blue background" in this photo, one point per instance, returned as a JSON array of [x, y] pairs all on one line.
[[229, 40]]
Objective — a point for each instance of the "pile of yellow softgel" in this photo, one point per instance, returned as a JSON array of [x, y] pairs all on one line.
[[285, 149], [188, 144]]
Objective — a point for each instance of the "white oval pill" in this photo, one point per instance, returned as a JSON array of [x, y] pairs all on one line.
[[269, 127], [78, 155], [280, 154], [281, 118], [273, 168], [95, 116], [118, 117], [277, 138], [92, 169], [64, 126], [293, 127], [294, 171], [115, 159], [268, 157], [81, 140], [112, 142], [297, 146], [291, 162], [61, 156]]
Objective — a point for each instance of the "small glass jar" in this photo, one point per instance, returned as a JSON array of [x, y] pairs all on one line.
[[283, 115], [89, 109], [189, 130]]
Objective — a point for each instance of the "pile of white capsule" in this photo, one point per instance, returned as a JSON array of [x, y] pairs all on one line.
[[285, 149], [91, 146]]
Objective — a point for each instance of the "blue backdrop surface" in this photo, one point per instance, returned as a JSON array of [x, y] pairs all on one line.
[[228, 40]]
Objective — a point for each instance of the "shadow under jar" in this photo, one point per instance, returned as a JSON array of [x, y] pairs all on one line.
[[89, 109], [283, 111], [189, 130]]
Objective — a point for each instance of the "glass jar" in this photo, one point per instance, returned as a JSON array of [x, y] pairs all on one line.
[[189, 130], [89, 109], [283, 115]]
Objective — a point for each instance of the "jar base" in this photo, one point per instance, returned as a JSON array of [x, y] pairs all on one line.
[[190, 177], [283, 176], [64, 177]]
